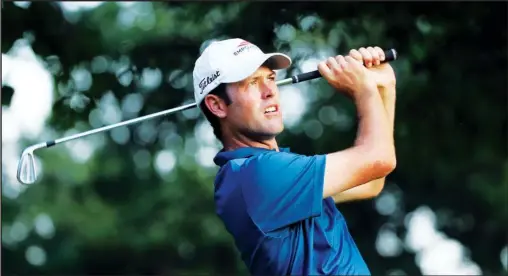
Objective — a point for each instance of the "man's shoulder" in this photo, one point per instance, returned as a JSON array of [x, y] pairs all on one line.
[[268, 162], [249, 170], [259, 161]]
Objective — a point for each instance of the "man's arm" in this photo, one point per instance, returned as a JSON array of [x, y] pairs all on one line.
[[386, 83], [373, 155], [374, 187]]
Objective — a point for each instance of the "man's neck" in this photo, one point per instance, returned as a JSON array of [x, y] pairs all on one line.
[[241, 141]]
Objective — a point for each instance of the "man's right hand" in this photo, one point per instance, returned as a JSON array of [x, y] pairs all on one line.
[[347, 75]]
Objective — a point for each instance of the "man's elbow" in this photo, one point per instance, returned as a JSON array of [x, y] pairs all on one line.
[[383, 164], [383, 168]]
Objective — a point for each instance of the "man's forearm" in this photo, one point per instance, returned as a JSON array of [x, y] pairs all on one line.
[[389, 97], [373, 188]]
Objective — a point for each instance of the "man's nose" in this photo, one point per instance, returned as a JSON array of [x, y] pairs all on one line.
[[267, 90]]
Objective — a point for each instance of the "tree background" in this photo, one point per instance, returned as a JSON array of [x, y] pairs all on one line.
[[139, 200]]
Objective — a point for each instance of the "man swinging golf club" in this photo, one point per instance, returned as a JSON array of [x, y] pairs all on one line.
[[280, 206]]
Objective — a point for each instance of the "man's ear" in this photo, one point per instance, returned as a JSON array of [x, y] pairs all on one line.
[[216, 105]]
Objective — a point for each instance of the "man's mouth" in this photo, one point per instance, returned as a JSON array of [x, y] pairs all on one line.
[[271, 109]]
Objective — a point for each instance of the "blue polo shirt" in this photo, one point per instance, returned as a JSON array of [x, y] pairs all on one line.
[[272, 204]]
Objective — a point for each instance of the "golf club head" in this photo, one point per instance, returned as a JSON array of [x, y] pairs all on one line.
[[27, 174]]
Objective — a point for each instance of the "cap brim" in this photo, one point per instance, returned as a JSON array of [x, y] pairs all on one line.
[[274, 61], [277, 61]]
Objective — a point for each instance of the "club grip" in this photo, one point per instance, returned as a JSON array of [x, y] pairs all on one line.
[[390, 55]]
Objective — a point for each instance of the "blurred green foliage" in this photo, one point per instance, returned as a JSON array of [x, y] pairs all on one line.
[[116, 214]]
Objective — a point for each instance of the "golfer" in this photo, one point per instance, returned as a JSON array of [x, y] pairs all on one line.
[[279, 206]]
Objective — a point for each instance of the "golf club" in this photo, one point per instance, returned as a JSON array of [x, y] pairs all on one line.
[[27, 173]]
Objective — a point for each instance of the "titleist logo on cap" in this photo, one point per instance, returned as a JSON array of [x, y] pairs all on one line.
[[206, 81]]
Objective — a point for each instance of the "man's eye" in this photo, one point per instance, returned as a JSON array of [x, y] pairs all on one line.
[[252, 82]]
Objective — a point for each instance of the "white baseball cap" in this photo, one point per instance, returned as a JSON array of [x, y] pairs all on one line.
[[229, 61]]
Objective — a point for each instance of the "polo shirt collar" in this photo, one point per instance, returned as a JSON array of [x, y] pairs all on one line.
[[223, 156]]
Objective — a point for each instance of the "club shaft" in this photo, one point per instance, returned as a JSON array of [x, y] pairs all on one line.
[[125, 123]]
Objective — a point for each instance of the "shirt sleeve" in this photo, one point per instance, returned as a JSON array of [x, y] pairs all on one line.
[[282, 188]]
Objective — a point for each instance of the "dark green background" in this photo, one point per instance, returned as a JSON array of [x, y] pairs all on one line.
[[112, 217]]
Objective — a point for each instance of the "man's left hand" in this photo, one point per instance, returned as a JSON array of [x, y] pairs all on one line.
[[382, 72]]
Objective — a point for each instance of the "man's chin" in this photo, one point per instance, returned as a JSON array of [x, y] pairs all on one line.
[[271, 134], [266, 134]]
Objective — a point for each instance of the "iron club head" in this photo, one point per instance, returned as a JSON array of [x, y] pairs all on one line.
[[27, 173]]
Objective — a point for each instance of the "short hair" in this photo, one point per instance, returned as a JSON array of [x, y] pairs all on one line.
[[219, 91]]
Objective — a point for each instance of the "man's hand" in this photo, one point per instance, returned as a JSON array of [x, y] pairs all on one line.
[[347, 75], [382, 73]]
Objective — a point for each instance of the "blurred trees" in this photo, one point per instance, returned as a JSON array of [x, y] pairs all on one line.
[[143, 201]]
